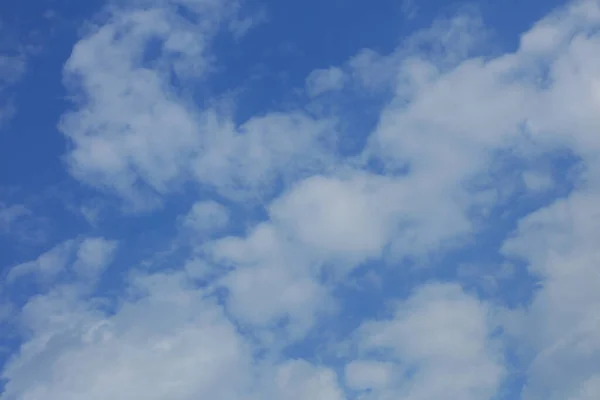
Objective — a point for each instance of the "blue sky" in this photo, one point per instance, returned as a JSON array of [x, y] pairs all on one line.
[[326, 200]]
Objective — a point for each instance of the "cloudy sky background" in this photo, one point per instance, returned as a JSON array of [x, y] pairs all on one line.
[[243, 199]]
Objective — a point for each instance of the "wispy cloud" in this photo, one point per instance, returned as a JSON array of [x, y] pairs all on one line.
[[12, 68], [9, 216]]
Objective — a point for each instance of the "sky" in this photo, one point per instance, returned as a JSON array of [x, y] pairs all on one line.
[[324, 200]]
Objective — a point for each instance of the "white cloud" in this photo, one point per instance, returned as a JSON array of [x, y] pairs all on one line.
[[132, 133], [589, 390], [171, 337], [349, 219], [170, 334], [243, 162], [266, 267], [364, 375], [253, 290], [561, 328], [47, 265], [325, 80], [87, 258], [537, 181], [551, 34], [206, 217], [440, 339], [447, 124], [450, 117], [126, 109], [558, 331], [321, 222], [353, 217], [299, 380], [93, 255]]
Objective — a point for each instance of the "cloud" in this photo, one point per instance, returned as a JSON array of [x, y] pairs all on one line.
[[265, 266], [135, 134], [560, 326], [118, 132], [537, 181], [439, 344], [243, 163], [20, 223], [224, 321], [298, 380], [13, 64], [350, 218], [206, 217], [85, 257], [93, 255], [410, 9], [115, 356], [9, 216], [369, 375], [448, 125], [170, 334], [324, 80], [47, 265]]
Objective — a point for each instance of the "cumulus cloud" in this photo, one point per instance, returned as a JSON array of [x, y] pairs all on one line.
[[560, 326], [103, 356], [130, 128], [266, 266], [223, 321], [133, 133], [439, 342], [348, 218], [170, 333]]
